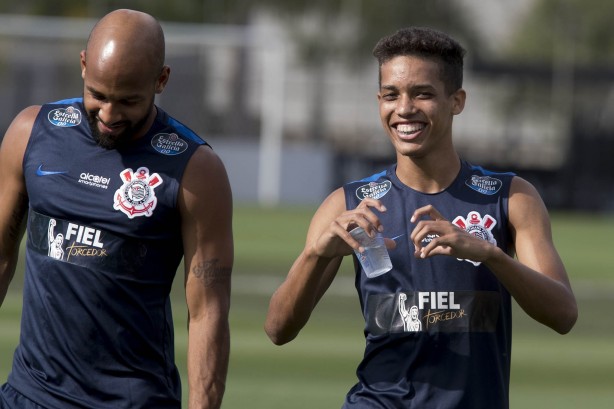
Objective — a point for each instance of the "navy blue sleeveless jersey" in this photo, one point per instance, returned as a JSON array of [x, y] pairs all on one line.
[[438, 330], [103, 246]]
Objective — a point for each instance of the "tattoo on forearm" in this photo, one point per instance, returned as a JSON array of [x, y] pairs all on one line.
[[210, 272]]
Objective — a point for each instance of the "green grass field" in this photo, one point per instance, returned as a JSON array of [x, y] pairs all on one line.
[[317, 369]]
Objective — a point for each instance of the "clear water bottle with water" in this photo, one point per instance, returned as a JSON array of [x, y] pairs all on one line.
[[375, 259]]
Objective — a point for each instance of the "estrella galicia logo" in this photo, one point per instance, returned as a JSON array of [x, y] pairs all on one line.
[[374, 190], [169, 144], [485, 185], [65, 117]]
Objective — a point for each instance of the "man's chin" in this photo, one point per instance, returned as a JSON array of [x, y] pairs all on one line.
[[108, 141], [103, 139]]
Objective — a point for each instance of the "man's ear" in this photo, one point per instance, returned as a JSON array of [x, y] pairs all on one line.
[[163, 79], [82, 58], [458, 101]]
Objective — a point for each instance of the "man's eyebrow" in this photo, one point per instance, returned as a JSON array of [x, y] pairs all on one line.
[[423, 86], [418, 87], [389, 87], [92, 90]]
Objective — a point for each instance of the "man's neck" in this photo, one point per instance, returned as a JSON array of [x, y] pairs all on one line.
[[431, 174]]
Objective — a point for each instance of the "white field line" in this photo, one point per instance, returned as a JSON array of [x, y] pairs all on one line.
[[344, 286], [267, 284]]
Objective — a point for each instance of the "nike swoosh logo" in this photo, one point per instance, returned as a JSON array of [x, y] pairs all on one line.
[[41, 172]]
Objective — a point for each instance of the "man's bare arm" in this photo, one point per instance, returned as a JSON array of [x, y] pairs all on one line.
[[13, 195]]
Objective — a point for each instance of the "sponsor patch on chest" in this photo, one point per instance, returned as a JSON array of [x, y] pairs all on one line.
[[374, 190], [485, 185], [83, 245], [64, 117], [169, 144], [433, 311]]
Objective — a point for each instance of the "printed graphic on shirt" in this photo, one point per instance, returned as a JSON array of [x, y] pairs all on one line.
[[136, 197], [375, 190], [56, 250], [485, 185], [66, 241], [79, 244], [65, 117], [478, 226], [433, 311], [411, 318], [169, 144], [43, 172], [98, 181], [428, 238]]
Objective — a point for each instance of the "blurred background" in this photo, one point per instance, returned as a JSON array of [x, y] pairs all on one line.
[[288, 87], [285, 92]]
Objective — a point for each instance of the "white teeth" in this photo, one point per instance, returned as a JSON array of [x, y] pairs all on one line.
[[410, 128]]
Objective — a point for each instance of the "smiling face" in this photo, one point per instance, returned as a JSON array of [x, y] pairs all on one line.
[[415, 108], [122, 70], [119, 105]]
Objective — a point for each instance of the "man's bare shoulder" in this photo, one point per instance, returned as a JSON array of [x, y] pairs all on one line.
[[27, 116], [205, 162], [526, 206], [18, 133], [21, 126]]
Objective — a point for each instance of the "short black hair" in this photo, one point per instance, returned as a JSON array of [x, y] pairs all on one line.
[[427, 43]]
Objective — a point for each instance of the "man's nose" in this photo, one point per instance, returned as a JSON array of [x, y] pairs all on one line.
[[406, 106], [108, 113]]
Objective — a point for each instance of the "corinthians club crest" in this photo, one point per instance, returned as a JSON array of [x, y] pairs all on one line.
[[136, 196], [478, 226]]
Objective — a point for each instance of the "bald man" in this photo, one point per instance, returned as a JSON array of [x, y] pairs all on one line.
[[132, 191]]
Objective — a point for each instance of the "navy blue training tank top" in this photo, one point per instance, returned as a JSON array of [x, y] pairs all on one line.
[[438, 330], [103, 246]]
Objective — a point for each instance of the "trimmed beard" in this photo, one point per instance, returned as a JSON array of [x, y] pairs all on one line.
[[108, 141]]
